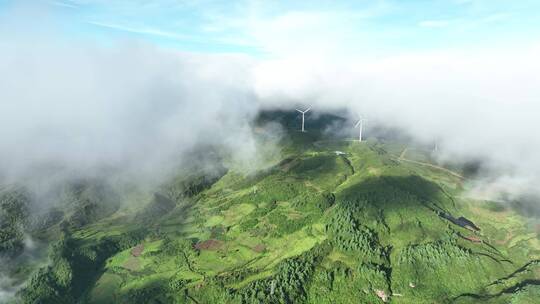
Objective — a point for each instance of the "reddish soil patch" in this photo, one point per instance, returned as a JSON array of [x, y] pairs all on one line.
[[137, 250], [259, 248], [209, 245], [473, 239]]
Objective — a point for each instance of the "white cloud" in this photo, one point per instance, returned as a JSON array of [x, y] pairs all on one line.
[[479, 103], [124, 108], [94, 106]]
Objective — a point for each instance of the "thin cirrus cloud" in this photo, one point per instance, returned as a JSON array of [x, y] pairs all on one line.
[[142, 31], [172, 35], [374, 26]]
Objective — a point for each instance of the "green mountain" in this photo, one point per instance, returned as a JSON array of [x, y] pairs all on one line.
[[326, 221]]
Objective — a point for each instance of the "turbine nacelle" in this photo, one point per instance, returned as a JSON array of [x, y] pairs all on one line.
[[360, 122], [305, 111]]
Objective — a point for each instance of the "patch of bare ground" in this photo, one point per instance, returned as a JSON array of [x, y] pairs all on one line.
[[211, 244], [259, 248], [137, 250]]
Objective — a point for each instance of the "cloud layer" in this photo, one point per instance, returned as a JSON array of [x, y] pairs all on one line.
[[135, 107], [477, 104]]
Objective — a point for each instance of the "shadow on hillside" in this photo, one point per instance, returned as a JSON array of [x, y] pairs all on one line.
[[509, 290], [305, 168], [397, 191], [310, 167], [527, 205]]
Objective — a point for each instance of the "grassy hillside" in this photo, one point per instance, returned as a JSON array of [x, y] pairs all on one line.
[[366, 225]]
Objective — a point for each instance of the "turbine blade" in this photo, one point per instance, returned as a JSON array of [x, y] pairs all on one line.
[[299, 111], [358, 123], [307, 110]]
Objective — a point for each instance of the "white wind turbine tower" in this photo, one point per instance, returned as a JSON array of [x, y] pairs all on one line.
[[303, 117], [360, 124]]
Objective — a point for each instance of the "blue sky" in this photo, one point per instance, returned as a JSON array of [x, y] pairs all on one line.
[[268, 27]]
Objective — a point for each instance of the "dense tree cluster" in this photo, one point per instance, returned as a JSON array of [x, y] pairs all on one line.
[[315, 202], [275, 188], [14, 219], [394, 191], [73, 265], [434, 254], [286, 225], [47, 219], [291, 281], [88, 201], [349, 235], [158, 207], [193, 184], [373, 276], [147, 294]]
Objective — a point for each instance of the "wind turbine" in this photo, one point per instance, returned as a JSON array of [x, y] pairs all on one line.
[[303, 117], [360, 124]]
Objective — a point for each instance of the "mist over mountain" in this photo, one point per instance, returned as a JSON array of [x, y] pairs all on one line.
[[120, 130], [84, 107]]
